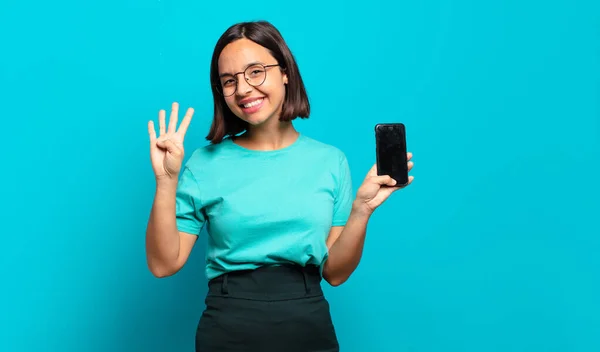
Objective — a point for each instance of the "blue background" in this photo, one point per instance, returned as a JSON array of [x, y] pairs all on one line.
[[493, 248]]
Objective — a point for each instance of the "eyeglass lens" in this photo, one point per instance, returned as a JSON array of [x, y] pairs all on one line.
[[255, 76]]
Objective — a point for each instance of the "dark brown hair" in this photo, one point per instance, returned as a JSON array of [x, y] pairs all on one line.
[[295, 103]]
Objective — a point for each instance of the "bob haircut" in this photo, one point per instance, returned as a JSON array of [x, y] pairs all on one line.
[[295, 103]]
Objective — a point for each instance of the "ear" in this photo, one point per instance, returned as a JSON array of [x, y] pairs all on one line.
[[285, 77]]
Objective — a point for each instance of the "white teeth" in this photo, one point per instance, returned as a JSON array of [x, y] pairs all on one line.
[[254, 103]]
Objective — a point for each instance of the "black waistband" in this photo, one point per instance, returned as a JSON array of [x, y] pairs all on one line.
[[268, 283]]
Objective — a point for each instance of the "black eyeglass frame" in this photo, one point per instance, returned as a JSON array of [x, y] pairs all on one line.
[[220, 87]]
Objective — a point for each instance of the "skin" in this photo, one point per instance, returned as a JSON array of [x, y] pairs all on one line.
[[266, 132], [167, 249]]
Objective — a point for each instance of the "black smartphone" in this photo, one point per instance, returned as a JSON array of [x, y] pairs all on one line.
[[390, 140]]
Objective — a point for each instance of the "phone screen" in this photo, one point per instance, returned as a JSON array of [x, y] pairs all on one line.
[[391, 151]]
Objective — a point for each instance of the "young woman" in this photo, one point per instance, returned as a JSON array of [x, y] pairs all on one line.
[[278, 206]]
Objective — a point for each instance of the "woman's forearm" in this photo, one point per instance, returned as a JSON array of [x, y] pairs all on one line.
[[162, 236], [346, 252]]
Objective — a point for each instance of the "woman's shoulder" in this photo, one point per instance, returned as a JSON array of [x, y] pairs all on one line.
[[325, 148], [207, 154]]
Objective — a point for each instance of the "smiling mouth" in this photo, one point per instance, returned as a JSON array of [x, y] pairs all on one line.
[[252, 103]]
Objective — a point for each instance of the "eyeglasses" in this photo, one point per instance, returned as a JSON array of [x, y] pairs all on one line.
[[255, 75]]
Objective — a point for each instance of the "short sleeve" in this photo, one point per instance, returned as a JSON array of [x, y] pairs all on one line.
[[188, 207], [342, 204]]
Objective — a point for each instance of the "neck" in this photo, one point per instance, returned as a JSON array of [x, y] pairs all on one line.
[[274, 137]]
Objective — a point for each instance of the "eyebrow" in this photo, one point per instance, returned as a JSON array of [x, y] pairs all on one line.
[[245, 67]]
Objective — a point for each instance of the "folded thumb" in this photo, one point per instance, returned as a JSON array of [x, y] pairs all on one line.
[[170, 147]]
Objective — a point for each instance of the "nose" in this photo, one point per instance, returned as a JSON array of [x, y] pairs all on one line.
[[243, 87]]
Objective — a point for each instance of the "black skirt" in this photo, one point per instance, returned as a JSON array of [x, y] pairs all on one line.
[[274, 308]]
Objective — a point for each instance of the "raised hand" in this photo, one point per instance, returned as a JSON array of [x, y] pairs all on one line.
[[376, 189], [166, 151]]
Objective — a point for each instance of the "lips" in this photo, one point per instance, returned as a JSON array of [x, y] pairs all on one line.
[[251, 102], [251, 106]]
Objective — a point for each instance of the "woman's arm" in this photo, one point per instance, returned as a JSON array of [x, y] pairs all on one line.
[[346, 243], [167, 249]]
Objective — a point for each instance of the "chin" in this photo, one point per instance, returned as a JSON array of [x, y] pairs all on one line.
[[256, 118]]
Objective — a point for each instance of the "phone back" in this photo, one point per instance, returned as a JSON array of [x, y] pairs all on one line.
[[390, 139]]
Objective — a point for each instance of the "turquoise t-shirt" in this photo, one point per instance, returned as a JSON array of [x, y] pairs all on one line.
[[264, 207]]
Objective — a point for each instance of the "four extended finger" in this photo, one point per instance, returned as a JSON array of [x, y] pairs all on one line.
[[173, 118], [161, 123], [151, 131], [185, 122]]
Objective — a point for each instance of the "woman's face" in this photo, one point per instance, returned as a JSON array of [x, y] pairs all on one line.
[[253, 104]]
